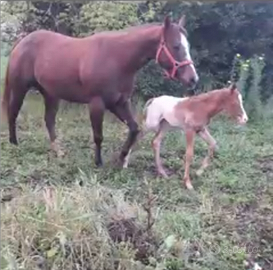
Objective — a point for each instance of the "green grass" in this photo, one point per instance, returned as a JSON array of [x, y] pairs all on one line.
[[67, 202], [4, 60]]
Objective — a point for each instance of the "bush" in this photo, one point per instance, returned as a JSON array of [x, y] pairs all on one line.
[[249, 73]]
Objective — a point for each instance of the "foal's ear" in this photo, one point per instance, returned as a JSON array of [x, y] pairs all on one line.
[[182, 21], [167, 22]]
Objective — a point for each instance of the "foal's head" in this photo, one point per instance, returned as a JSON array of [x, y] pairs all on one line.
[[234, 105], [173, 53]]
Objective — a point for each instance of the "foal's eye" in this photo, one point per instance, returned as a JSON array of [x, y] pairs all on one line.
[[176, 47]]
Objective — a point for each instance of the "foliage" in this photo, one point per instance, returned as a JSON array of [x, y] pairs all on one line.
[[217, 32], [249, 73]]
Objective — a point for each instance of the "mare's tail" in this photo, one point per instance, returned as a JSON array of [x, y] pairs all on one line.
[[7, 89]]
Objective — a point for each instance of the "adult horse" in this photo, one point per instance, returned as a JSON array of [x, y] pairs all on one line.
[[97, 70]]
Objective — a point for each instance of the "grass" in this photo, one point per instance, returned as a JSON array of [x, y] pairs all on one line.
[[60, 209]]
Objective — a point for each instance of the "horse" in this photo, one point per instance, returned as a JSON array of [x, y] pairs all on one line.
[[98, 70], [192, 115]]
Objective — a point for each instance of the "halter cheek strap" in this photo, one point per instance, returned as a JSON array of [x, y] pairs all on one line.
[[175, 64]]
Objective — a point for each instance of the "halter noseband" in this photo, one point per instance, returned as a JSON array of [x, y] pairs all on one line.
[[175, 64]]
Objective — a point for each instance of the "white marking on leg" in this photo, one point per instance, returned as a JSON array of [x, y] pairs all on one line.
[[244, 117], [126, 160]]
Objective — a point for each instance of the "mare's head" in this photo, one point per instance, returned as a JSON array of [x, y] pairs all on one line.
[[173, 53], [233, 104]]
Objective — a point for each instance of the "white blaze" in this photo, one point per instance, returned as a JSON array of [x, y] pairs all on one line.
[[186, 46]]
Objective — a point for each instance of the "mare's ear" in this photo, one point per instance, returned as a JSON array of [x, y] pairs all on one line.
[[232, 87], [182, 21], [167, 22]]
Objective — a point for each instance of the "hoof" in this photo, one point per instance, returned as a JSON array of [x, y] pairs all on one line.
[[60, 153], [55, 147], [199, 172], [125, 165], [98, 164], [188, 184], [13, 141]]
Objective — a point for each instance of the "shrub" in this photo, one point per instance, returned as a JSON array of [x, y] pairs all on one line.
[[248, 74]]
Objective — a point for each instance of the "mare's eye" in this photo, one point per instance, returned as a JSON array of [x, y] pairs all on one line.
[[176, 47]]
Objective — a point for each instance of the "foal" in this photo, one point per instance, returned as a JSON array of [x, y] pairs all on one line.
[[192, 115]]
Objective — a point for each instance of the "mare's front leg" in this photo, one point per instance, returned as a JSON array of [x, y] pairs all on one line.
[[205, 135], [123, 112], [96, 111], [190, 134]]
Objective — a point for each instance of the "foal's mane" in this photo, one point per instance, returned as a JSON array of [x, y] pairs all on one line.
[[208, 95]]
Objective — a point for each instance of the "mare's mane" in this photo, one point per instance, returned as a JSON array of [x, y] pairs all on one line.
[[132, 29]]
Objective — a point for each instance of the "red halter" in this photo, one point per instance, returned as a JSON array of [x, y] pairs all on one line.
[[176, 64]]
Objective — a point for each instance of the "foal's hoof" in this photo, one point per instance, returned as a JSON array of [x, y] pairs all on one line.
[[199, 172], [188, 185], [60, 153]]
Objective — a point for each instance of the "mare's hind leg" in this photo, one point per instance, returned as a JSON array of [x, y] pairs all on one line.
[[140, 136], [123, 112], [51, 109], [96, 110], [205, 135], [14, 106], [156, 143]]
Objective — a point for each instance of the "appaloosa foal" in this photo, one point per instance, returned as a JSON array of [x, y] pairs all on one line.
[[192, 115]]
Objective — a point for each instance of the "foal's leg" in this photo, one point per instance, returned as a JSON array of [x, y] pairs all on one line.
[[96, 110], [51, 109], [123, 111], [205, 135], [190, 134], [156, 143]]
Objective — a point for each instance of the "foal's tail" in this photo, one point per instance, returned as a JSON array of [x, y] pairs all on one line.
[[143, 115], [7, 88]]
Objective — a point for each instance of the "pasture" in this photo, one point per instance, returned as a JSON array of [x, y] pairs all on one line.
[[55, 211]]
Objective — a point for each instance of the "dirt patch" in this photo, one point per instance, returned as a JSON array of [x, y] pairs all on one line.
[[140, 236], [128, 230], [265, 164]]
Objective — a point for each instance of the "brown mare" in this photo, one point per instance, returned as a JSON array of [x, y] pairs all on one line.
[[192, 115], [98, 70]]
